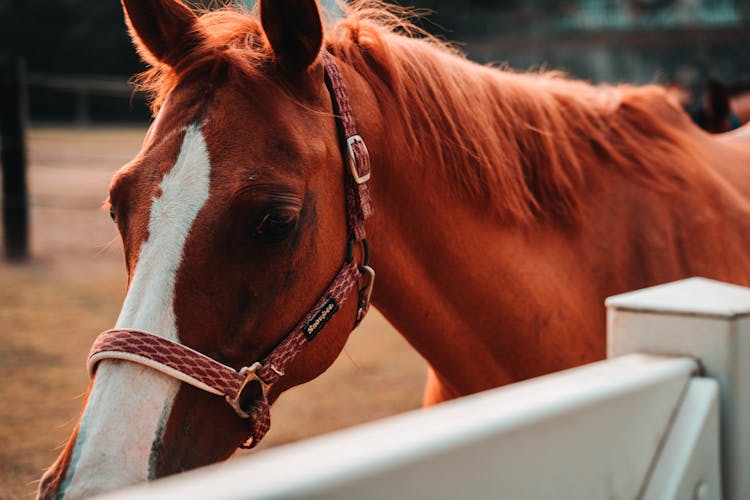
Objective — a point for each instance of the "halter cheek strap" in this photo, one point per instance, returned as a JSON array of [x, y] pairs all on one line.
[[246, 389]]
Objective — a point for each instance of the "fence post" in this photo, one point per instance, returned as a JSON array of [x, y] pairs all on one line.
[[13, 157], [707, 320]]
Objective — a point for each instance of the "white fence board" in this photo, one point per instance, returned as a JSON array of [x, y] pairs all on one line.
[[641, 425], [592, 432], [688, 465]]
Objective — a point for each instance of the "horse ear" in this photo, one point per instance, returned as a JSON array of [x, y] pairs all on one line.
[[294, 30], [162, 30]]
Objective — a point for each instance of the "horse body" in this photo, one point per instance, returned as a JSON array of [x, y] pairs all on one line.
[[506, 208], [519, 302]]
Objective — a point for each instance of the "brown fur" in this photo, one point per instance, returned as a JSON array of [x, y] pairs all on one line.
[[507, 206]]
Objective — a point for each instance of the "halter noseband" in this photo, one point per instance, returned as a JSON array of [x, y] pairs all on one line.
[[253, 381]]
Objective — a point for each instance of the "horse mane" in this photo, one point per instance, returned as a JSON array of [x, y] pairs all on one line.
[[522, 143]]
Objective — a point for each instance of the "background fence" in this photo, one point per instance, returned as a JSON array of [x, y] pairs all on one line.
[[83, 98]]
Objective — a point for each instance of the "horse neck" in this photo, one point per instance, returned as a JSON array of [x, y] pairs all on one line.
[[473, 296], [485, 287], [454, 277]]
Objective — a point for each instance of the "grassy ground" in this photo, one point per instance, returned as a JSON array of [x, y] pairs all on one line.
[[52, 308]]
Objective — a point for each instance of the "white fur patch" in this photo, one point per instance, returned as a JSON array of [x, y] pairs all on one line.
[[129, 403]]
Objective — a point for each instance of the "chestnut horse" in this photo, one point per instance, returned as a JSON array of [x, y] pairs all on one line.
[[506, 207]]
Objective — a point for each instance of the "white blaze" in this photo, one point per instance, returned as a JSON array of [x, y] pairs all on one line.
[[129, 403]]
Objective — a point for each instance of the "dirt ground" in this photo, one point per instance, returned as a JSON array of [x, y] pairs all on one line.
[[52, 308]]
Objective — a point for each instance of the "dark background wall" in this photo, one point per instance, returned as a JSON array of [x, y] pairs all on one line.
[[74, 38], [599, 40], [637, 41]]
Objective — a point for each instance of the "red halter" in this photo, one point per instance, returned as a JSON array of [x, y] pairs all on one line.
[[253, 381]]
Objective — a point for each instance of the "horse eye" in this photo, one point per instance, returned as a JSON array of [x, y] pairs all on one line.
[[276, 225], [112, 214]]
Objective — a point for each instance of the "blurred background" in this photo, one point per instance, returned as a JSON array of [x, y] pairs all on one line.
[[69, 119], [78, 57]]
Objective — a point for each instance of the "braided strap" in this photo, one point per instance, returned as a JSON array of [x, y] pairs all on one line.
[[356, 155], [341, 287], [173, 359], [184, 364], [192, 367]]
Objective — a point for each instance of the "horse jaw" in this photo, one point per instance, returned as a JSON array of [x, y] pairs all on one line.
[[121, 428]]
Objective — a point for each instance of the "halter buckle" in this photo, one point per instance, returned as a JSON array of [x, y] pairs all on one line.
[[352, 158], [251, 375], [365, 292]]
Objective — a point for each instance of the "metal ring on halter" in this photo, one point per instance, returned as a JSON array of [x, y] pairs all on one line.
[[365, 251], [365, 292], [251, 375]]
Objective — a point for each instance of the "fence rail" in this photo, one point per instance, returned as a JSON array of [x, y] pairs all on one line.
[[83, 88], [88, 84]]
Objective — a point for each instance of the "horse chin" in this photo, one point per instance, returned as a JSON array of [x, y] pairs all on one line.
[[187, 456], [172, 462], [202, 430]]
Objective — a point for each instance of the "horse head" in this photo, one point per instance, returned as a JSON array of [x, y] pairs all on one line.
[[234, 224]]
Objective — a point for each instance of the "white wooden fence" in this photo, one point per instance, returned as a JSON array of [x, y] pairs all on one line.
[[666, 417]]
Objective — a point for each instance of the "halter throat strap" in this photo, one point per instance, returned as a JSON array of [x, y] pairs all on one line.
[[254, 380]]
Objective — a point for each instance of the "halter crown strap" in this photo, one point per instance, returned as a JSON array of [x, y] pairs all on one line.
[[357, 157], [197, 369]]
